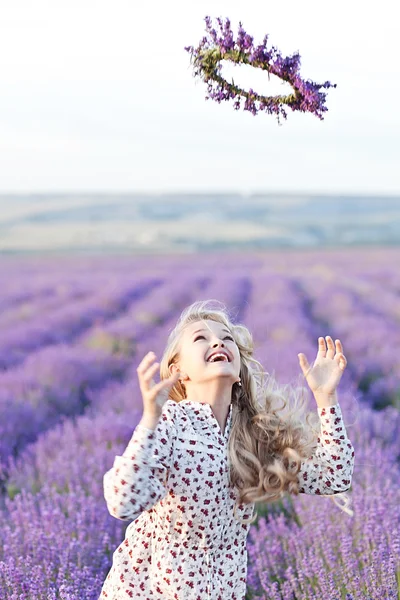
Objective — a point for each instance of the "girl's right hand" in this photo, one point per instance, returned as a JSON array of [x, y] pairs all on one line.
[[154, 394]]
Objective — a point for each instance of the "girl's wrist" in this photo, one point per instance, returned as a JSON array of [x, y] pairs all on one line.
[[325, 400], [149, 420]]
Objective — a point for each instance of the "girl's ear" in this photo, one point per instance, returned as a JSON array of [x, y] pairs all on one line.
[[174, 368]]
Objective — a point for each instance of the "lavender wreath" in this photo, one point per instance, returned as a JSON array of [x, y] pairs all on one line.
[[206, 59]]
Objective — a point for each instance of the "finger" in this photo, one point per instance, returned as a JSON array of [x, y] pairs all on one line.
[[165, 383], [321, 347], [331, 347], [339, 347], [147, 376], [341, 360], [148, 359], [303, 363]]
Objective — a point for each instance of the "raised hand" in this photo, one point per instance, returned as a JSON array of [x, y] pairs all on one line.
[[154, 394], [324, 376]]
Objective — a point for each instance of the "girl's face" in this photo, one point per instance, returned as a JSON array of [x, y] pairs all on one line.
[[201, 339]]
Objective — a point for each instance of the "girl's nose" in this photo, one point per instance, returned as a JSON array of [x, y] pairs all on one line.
[[218, 344]]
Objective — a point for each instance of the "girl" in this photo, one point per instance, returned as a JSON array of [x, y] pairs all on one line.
[[209, 446]]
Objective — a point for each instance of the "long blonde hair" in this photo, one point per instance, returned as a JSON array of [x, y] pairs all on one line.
[[265, 448]]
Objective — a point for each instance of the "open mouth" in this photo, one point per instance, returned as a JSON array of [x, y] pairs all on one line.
[[218, 357]]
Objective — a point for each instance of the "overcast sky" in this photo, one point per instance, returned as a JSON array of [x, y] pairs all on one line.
[[99, 96]]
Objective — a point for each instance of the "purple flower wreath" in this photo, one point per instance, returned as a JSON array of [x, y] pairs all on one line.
[[207, 57]]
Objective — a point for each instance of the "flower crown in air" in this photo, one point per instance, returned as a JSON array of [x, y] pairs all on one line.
[[207, 57]]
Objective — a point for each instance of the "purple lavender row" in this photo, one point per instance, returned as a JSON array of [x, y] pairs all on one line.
[[64, 324], [350, 301], [41, 285], [51, 384], [13, 299], [280, 327], [388, 288], [27, 279], [283, 327], [366, 331], [33, 304]]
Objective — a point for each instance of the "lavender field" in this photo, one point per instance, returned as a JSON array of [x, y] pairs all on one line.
[[72, 333]]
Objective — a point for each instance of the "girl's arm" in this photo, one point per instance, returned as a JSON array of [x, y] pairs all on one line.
[[138, 478], [329, 470]]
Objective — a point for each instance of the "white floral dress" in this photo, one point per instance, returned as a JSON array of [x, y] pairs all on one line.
[[184, 542]]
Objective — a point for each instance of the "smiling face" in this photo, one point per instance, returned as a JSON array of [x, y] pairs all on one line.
[[199, 341]]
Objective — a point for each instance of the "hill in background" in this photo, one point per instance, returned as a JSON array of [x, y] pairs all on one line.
[[194, 222]]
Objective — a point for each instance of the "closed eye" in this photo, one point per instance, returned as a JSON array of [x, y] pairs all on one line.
[[202, 336]]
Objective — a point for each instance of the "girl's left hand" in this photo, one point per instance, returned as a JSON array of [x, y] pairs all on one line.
[[328, 367]]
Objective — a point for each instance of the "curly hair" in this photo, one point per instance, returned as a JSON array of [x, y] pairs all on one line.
[[267, 442]]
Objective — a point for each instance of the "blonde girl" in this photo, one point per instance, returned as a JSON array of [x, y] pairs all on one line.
[[216, 438]]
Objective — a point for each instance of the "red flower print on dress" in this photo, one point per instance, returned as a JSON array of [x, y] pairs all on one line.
[[183, 541]]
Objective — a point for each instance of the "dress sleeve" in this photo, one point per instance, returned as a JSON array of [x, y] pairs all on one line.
[[138, 478], [329, 470]]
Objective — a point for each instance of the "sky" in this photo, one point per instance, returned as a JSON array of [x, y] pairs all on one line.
[[100, 96]]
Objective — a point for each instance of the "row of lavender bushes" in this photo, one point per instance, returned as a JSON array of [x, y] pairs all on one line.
[[58, 537]]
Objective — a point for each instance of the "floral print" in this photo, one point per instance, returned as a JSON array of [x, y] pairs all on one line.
[[184, 541]]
